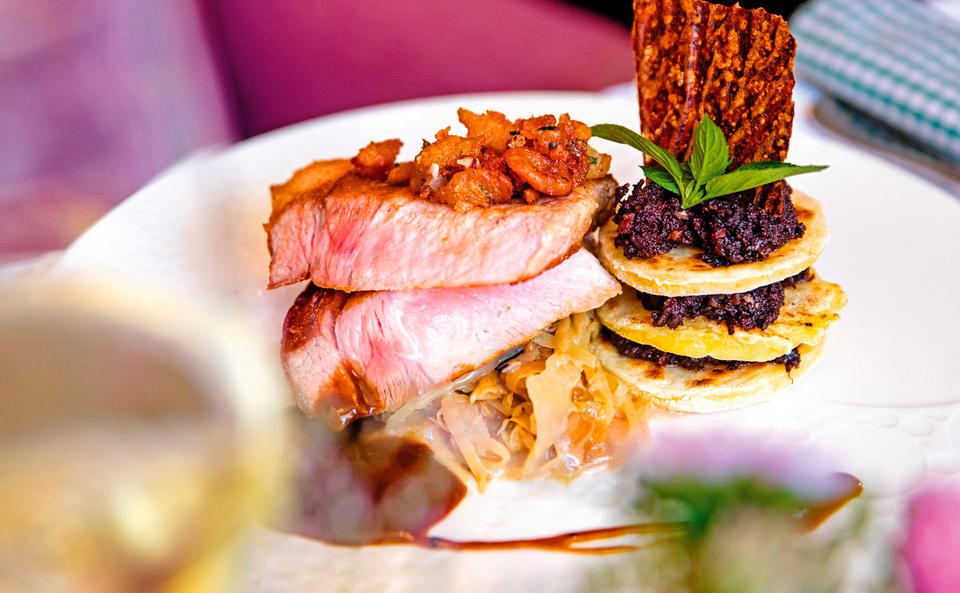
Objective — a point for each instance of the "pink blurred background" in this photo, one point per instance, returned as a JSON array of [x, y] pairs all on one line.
[[98, 96]]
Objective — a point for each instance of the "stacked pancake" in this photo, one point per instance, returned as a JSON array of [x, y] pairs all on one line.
[[422, 271], [721, 307]]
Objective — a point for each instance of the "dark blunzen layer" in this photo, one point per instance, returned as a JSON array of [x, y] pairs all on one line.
[[790, 361], [739, 228], [756, 309]]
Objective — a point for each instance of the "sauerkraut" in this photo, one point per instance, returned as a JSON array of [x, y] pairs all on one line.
[[547, 409]]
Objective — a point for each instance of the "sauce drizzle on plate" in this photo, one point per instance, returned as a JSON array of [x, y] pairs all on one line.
[[363, 487]]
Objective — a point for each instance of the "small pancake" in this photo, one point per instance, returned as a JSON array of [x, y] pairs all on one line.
[[680, 272], [707, 390], [808, 309]]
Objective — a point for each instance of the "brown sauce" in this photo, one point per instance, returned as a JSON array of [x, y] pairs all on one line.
[[817, 515], [363, 487], [577, 542]]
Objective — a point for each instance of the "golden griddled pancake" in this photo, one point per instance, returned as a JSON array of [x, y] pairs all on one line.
[[707, 390], [680, 272], [808, 308]]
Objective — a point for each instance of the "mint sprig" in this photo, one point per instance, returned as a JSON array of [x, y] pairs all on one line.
[[704, 176]]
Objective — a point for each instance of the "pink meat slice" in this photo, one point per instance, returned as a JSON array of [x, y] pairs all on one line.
[[349, 356], [351, 237]]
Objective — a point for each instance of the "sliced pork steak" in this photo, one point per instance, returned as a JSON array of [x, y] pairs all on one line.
[[349, 356], [351, 236]]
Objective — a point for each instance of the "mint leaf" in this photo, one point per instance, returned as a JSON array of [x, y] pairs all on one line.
[[702, 177], [659, 175], [753, 175], [692, 191], [759, 165], [692, 198], [691, 187], [710, 155], [622, 135]]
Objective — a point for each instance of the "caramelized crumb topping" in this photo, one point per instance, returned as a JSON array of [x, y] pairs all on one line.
[[377, 158], [499, 160]]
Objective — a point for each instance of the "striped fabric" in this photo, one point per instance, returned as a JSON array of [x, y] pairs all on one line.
[[896, 62]]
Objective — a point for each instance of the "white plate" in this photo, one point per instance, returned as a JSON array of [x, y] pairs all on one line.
[[883, 405]]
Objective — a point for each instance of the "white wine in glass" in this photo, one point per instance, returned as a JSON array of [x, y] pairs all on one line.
[[140, 436]]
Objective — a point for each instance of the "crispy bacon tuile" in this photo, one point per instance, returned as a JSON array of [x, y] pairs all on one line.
[[733, 64]]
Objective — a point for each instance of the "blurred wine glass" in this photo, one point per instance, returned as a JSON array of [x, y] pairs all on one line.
[[139, 439]]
